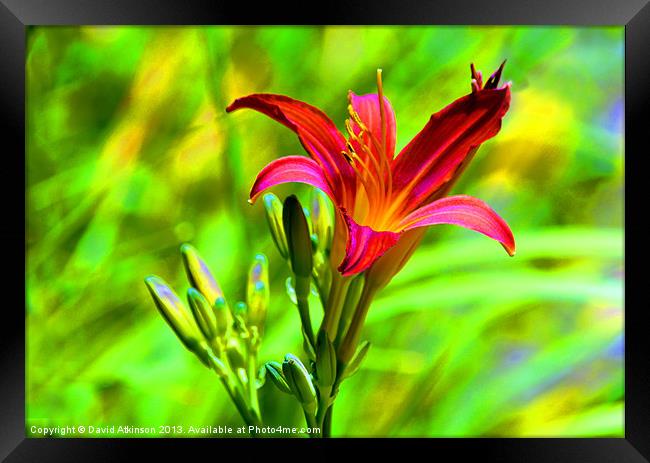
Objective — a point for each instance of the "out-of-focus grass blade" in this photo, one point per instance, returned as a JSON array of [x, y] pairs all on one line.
[[548, 243], [504, 288], [463, 412], [603, 420]]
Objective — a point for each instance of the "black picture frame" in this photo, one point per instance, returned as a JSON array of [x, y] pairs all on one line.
[[17, 15]]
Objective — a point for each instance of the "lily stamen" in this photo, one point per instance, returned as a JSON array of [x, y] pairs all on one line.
[[359, 139]]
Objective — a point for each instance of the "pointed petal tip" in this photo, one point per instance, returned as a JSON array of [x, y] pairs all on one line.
[[231, 106]]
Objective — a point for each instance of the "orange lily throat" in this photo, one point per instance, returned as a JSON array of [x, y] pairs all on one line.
[[374, 176]]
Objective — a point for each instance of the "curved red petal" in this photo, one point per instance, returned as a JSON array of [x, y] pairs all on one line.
[[464, 211], [364, 246], [316, 131], [432, 158], [368, 109], [298, 169]]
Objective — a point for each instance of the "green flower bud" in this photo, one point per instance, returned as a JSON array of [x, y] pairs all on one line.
[[321, 219], [274, 371], [273, 208], [199, 275], [298, 237], [325, 360], [235, 354], [223, 316], [177, 316], [203, 314], [258, 291], [298, 380]]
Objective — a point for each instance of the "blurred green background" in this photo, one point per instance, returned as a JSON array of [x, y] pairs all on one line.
[[130, 154]]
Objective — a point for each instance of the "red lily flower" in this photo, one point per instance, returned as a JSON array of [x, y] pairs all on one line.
[[380, 196]]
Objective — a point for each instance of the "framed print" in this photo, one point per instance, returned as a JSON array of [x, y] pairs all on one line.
[[395, 225]]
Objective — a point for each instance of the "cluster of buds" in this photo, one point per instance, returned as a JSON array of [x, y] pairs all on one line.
[[303, 236], [223, 337]]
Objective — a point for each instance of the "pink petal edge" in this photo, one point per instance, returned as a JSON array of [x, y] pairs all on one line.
[[464, 211], [288, 169]]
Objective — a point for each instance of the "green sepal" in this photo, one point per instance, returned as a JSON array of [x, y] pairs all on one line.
[[355, 363], [299, 380], [274, 371]]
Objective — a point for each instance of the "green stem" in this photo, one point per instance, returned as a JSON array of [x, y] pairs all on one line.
[[302, 295], [252, 387], [305, 320], [310, 419], [351, 301], [326, 430], [240, 404], [335, 300], [324, 403], [349, 344]]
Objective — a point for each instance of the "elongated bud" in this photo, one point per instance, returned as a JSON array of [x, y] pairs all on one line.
[[298, 380], [203, 314], [321, 219], [273, 207], [199, 275], [298, 238], [223, 316], [258, 291], [177, 316], [355, 363], [235, 354], [274, 371], [325, 360]]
